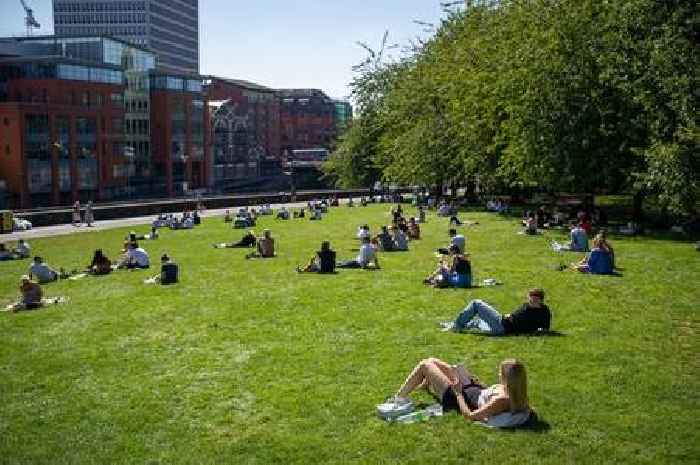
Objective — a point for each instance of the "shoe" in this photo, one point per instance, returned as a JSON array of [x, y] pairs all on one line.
[[394, 407], [447, 326]]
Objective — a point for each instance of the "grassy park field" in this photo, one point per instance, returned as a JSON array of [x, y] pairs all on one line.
[[246, 361]]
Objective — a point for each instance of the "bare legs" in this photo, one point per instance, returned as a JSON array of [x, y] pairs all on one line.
[[432, 373]]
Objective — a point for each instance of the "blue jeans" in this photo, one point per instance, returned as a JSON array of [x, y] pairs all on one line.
[[478, 315]]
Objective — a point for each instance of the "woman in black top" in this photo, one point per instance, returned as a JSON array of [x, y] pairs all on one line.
[[322, 262]]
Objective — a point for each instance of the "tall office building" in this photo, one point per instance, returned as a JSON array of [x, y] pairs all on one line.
[[170, 28]]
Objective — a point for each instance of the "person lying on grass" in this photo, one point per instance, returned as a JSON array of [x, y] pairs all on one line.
[[42, 272], [452, 271], [248, 240], [598, 260], [100, 264], [265, 246], [532, 317], [367, 257], [322, 262], [169, 272], [465, 393]]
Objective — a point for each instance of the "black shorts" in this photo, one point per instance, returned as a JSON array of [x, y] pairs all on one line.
[[471, 397]]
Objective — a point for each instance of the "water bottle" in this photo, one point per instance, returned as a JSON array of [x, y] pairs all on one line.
[[415, 417]]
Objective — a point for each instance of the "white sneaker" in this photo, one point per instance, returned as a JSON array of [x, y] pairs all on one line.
[[394, 407]]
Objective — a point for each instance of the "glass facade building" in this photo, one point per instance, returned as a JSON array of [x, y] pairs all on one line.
[[168, 27]]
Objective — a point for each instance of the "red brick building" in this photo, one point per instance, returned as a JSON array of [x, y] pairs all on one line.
[[60, 139], [307, 120], [179, 133], [244, 133]]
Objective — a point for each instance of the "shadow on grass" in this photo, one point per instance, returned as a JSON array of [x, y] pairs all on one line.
[[534, 424], [551, 333]]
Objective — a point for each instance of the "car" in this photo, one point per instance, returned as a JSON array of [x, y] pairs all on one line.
[[20, 224]]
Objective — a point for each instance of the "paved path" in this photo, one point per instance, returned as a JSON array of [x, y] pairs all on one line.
[[65, 229]]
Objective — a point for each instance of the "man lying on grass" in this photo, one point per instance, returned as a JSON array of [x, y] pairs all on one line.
[[531, 317], [459, 390], [248, 240]]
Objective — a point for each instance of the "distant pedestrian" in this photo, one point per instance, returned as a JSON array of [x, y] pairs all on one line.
[[76, 213], [89, 214]]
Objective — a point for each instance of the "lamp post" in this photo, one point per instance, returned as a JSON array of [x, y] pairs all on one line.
[[129, 154]]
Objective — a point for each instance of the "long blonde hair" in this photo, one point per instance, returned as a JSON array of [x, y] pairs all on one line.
[[514, 378]]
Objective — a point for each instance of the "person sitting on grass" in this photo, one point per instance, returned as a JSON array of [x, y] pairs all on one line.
[[169, 272], [363, 201], [385, 241], [455, 239], [100, 264], [5, 254], [227, 217], [22, 250], [322, 262], [457, 389], [579, 239], [351, 203], [248, 240], [316, 213], [421, 215], [265, 246], [282, 214], [367, 257], [399, 239], [413, 229], [532, 317], [530, 224], [363, 232], [455, 271], [31, 295], [42, 272], [598, 260], [136, 258], [300, 214], [603, 243]]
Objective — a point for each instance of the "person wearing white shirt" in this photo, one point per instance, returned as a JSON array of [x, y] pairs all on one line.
[[456, 240], [42, 272], [136, 257], [363, 232], [23, 250], [366, 257]]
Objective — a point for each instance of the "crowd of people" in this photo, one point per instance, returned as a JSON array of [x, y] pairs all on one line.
[[454, 387]]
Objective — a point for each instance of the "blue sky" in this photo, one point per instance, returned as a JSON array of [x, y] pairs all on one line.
[[297, 43]]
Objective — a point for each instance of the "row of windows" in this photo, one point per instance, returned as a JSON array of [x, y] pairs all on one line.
[[194, 4], [184, 39], [76, 7], [125, 32], [162, 48], [85, 73], [175, 83], [102, 18], [176, 16]]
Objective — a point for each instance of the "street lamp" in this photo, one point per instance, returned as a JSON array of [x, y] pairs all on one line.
[[129, 154]]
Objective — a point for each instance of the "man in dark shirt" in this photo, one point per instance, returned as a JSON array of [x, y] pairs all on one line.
[[531, 317], [323, 262], [168, 271], [385, 241], [248, 240]]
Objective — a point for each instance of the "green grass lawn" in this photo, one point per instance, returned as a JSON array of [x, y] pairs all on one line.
[[249, 362]]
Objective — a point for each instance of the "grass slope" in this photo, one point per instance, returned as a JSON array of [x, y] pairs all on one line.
[[248, 362]]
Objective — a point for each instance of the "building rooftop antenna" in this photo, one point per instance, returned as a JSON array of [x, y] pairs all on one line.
[[29, 20]]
